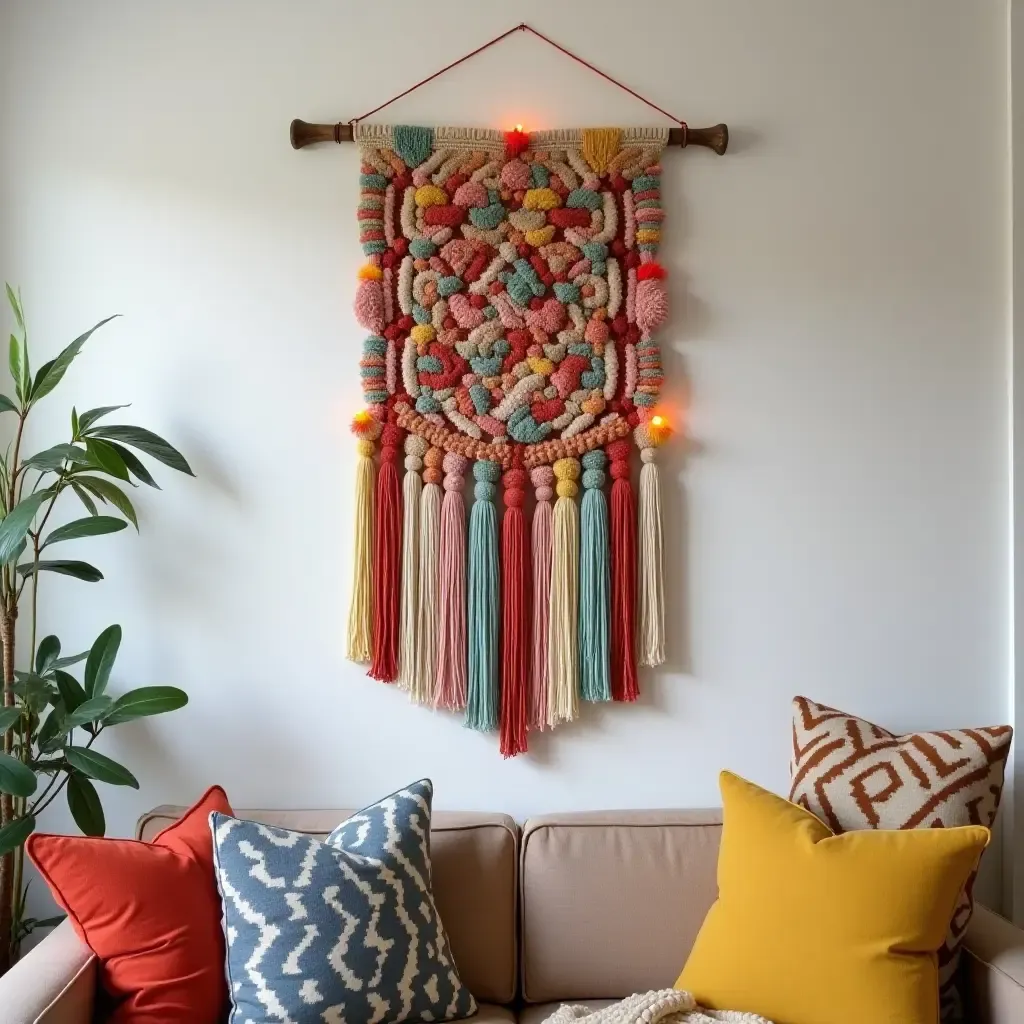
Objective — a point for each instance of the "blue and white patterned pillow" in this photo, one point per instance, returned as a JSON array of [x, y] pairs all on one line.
[[342, 931]]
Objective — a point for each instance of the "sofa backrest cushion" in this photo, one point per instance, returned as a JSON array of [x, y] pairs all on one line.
[[474, 863], [612, 901]]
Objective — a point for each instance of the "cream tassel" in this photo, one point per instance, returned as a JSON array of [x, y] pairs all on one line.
[[415, 449], [427, 608], [563, 636], [651, 632], [360, 612]]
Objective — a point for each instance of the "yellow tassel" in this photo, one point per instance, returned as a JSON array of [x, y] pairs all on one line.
[[360, 614], [563, 649], [415, 449], [651, 632]]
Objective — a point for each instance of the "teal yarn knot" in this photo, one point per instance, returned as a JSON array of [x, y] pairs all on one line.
[[422, 248], [412, 143], [483, 613], [595, 583]]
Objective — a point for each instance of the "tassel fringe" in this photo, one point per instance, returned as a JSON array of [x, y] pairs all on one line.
[[482, 701], [625, 684], [542, 477], [652, 583], [360, 612], [515, 631], [415, 449], [450, 682], [595, 668], [563, 654], [387, 546], [427, 609]]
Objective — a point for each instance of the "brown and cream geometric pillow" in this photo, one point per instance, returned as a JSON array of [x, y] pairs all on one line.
[[855, 775]]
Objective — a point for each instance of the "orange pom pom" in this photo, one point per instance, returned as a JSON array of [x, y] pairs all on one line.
[[659, 429], [365, 426], [370, 272]]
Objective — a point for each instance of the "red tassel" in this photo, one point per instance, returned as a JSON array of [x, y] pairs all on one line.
[[625, 685], [515, 626], [387, 559]]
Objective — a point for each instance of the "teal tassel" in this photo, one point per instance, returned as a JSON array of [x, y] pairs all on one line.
[[483, 611], [595, 570]]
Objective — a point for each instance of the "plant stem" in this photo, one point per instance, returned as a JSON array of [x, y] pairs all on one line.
[[9, 866]]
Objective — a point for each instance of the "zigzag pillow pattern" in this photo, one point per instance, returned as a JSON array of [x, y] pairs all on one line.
[[342, 931], [855, 775]]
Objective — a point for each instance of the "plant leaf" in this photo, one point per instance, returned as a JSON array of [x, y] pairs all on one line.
[[93, 526], [14, 834], [8, 716], [16, 778], [92, 710], [6, 405], [84, 804], [12, 298], [66, 567], [109, 491], [148, 442], [15, 524], [14, 363], [35, 691], [71, 691], [74, 659], [106, 458], [101, 660], [48, 653], [83, 496], [134, 464], [51, 373], [53, 458], [74, 422], [146, 701], [90, 416], [52, 732], [99, 766]]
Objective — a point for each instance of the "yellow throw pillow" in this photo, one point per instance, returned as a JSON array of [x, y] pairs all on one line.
[[814, 928]]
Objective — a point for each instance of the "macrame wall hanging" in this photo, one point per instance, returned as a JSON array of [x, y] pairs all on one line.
[[511, 294]]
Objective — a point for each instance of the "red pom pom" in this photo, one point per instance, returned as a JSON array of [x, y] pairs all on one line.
[[516, 143], [651, 271]]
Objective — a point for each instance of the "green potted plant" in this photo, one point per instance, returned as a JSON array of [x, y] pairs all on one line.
[[50, 719]]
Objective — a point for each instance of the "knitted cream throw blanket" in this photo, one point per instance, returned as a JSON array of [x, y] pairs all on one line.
[[661, 1006]]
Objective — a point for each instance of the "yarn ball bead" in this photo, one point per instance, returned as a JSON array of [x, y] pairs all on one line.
[[593, 478], [484, 490], [455, 463], [413, 463], [594, 459], [544, 493], [567, 488], [432, 475], [647, 454], [416, 445], [542, 476], [434, 458], [487, 472], [620, 470], [514, 497], [391, 435], [567, 469], [364, 447]]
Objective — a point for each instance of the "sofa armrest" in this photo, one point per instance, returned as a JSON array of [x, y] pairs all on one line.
[[54, 983], [992, 969]]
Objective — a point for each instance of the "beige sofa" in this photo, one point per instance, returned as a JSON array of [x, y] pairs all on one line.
[[570, 907]]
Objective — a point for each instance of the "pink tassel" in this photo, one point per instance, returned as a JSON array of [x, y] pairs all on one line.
[[450, 684], [542, 477]]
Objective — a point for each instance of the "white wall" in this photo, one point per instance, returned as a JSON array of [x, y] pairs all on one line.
[[840, 280]]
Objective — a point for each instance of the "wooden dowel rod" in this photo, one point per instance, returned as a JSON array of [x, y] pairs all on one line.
[[305, 134]]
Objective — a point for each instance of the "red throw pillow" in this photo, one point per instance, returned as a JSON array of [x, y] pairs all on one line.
[[150, 912]]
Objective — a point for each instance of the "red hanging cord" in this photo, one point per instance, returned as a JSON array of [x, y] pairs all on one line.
[[523, 27]]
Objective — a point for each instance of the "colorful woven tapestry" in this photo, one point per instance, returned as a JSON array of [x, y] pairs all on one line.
[[511, 294]]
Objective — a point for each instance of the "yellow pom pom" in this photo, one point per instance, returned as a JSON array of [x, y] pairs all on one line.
[[422, 333], [566, 488], [364, 447], [541, 199], [370, 272], [430, 195], [567, 469]]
